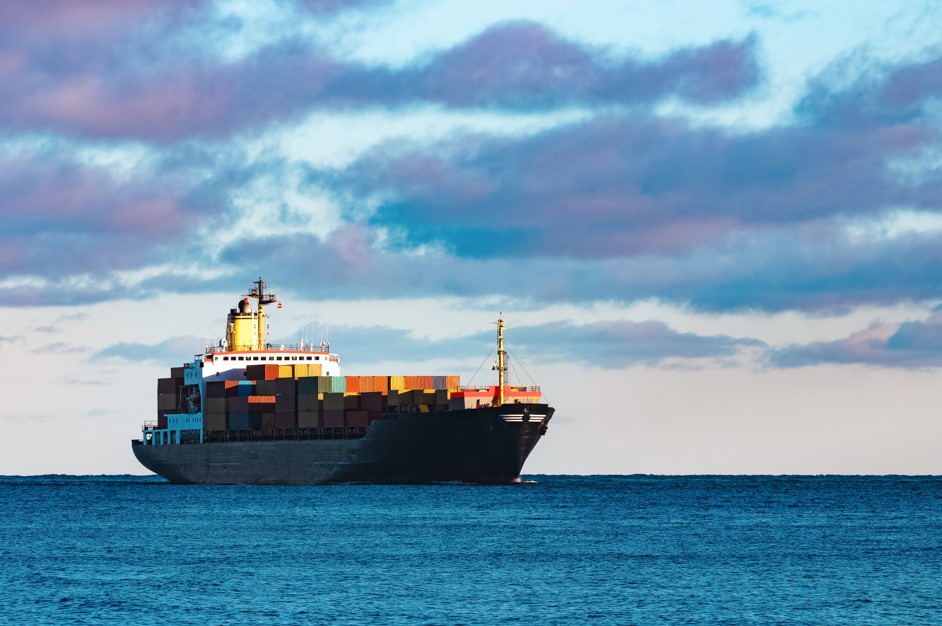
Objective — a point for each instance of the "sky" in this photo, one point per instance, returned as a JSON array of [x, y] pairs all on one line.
[[715, 229]]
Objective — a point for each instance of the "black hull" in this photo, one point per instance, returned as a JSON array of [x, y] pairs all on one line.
[[469, 446]]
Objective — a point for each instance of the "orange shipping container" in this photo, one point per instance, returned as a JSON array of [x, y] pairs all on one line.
[[353, 384], [381, 384]]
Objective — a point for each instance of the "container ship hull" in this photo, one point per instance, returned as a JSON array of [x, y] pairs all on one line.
[[482, 446]]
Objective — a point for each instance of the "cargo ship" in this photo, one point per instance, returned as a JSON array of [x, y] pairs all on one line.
[[250, 412]]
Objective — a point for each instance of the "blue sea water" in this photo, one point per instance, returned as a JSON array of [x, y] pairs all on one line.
[[562, 550]]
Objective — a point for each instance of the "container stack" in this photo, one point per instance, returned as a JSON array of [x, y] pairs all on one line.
[[169, 395], [288, 397], [286, 403], [308, 402]]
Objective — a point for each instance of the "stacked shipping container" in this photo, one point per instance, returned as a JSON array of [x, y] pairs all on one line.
[[286, 397]]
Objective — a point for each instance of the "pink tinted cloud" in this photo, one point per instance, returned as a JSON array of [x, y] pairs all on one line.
[[45, 196], [158, 216], [129, 80], [352, 246], [872, 346], [85, 18], [524, 64], [518, 61], [176, 101]]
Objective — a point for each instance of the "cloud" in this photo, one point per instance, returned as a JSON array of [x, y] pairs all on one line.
[[618, 344], [60, 347], [609, 344], [524, 65], [332, 7], [361, 346], [138, 81], [173, 350], [624, 205], [632, 184], [913, 344], [63, 218], [856, 92]]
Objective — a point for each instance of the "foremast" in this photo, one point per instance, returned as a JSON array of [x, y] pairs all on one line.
[[501, 365]]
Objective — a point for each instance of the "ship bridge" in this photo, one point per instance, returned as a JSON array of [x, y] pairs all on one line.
[[220, 363]]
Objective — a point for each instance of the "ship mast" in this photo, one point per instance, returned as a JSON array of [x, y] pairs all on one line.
[[258, 292], [501, 366]]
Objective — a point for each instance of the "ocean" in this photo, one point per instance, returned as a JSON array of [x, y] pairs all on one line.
[[554, 550]]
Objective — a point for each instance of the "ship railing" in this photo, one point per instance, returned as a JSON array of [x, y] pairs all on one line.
[[488, 388], [278, 347], [342, 432]]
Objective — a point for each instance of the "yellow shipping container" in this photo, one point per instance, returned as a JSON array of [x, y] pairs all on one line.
[[397, 382], [285, 371]]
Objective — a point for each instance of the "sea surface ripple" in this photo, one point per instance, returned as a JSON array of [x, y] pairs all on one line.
[[566, 549]]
